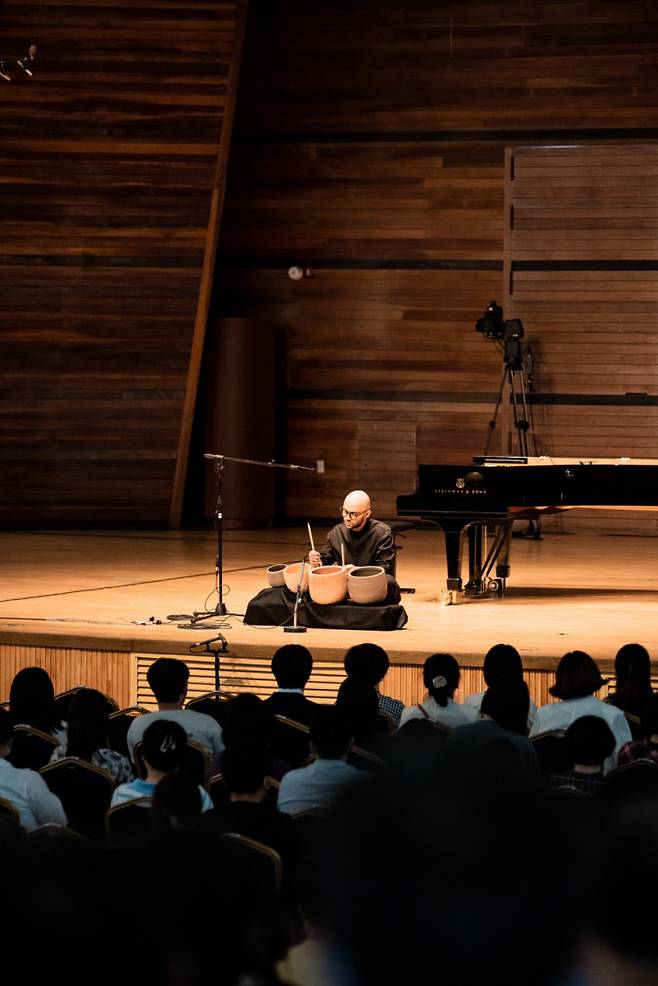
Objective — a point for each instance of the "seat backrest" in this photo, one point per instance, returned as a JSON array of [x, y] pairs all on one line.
[[85, 792], [265, 860], [364, 760], [289, 740], [129, 823], [118, 724], [552, 752], [214, 704], [31, 747], [8, 808], [636, 779]]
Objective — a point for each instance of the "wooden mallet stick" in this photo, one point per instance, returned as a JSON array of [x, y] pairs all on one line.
[[310, 535]]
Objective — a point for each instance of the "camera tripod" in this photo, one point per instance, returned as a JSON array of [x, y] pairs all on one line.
[[513, 382]]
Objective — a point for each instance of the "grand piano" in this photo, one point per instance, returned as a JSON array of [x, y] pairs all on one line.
[[468, 501]]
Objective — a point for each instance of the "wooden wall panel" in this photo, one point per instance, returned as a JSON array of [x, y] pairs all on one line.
[[108, 165], [582, 270], [370, 142]]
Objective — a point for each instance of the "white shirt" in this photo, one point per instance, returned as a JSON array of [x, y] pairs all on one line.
[[451, 715], [475, 702], [314, 786], [30, 795], [199, 727], [144, 789], [560, 715]]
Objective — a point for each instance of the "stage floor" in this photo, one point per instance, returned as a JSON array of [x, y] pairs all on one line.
[[100, 589]]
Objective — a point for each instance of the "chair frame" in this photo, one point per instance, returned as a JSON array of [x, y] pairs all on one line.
[[24, 727], [10, 808], [293, 723], [117, 808], [260, 847], [218, 693]]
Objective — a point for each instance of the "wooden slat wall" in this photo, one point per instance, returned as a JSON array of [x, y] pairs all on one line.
[[108, 164], [582, 270], [370, 143], [109, 671]]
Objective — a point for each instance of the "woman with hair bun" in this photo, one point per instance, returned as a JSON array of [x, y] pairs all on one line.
[[441, 678], [163, 749]]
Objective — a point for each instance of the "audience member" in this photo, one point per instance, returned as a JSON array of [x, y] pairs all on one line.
[[176, 805], [291, 666], [247, 766], [498, 740], [502, 663], [168, 679], [32, 702], [357, 703], [576, 679], [589, 742], [314, 786], [87, 735], [441, 678], [646, 749], [25, 789], [369, 663], [163, 749], [633, 679], [249, 718]]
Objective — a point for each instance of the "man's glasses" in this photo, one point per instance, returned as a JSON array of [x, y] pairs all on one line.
[[352, 514]]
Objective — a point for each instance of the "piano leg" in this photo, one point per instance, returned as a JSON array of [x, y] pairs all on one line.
[[503, 567], [474, 586], [453, 540]]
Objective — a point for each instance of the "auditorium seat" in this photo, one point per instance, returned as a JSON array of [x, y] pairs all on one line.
[[31, 747], [85, 792]]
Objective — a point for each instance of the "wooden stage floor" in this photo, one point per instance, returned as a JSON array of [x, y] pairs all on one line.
[[91, 589]]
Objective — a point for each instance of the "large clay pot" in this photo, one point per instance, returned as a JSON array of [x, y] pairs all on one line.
[[367, 584], [328, 584], [291, 575], [275, 575]]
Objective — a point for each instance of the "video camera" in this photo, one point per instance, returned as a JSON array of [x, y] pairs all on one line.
[[493, 325]]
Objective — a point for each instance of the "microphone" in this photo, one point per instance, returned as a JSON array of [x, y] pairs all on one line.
[[27, 59], [213, 640]]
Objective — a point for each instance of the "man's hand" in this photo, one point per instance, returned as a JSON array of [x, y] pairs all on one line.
[[314, 559]]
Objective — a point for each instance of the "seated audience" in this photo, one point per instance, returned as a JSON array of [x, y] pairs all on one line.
[[502, 664], [176, 805], [633, 685], [291, 666], [590, 742], [314, 786], [163, 749], [246, 768], [87, 735], [32, 702], [357, 703], [168, 679], [499, 737], [25, 789], [646, 749], [441, 678], [248, 718], [576, 679], [369, 663]]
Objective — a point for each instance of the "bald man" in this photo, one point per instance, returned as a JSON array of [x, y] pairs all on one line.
[[365, 541]]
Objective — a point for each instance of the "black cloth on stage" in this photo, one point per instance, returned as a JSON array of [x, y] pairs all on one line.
[[274, 607], [372, 545]]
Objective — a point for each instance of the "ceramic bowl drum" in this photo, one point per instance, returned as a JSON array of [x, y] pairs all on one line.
[[328, 584], [275, 575], [291, 575], [367, 584]]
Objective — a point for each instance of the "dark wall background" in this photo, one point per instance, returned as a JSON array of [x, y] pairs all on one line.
[[370, 147], [110, 162]]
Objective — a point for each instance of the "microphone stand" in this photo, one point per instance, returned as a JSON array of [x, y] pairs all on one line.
[[220, 610], [295, 628], [215, 651]]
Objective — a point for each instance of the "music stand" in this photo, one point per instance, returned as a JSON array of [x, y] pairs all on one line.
[[220, 610]]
